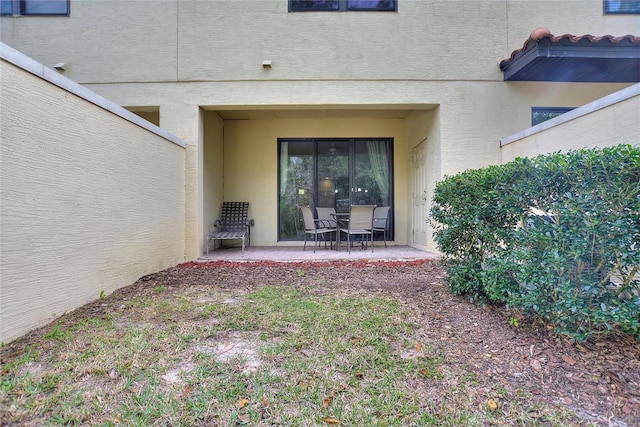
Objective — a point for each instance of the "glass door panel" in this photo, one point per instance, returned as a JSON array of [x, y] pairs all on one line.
[[333, 175], [296, 186], [371, 177]]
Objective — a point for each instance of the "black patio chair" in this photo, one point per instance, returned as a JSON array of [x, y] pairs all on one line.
[[233, 224]]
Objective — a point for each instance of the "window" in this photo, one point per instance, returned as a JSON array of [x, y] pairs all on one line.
[[542, 114], [622, 7], [332, 173], [35, 7], [341, 5]]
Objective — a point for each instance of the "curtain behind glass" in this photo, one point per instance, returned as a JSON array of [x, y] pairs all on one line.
[[379, 159]]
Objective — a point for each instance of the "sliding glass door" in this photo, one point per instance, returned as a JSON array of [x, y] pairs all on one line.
[[335, 173]]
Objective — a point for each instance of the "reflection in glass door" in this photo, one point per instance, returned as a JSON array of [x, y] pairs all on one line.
[[333, 173]]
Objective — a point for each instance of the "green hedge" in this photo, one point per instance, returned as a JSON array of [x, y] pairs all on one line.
[[556, 236]]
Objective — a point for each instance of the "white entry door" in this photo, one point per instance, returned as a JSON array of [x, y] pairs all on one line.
[[419, 194]]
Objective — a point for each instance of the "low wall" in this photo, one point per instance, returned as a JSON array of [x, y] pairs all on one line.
[[91, 196], [612, 120]]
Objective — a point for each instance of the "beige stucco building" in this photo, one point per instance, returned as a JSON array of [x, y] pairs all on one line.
[[240, 84]]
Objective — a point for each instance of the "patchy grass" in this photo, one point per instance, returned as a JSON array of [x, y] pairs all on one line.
[[274, 356]]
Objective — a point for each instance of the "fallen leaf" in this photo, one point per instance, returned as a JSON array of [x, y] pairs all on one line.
[[418, 347], [332, 421], [568, 360], [492, 405], [535, 364], [242, 403], [326, 402], [187, 391]]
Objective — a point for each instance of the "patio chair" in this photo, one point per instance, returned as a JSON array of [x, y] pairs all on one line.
[[360, 224], [327, 217], [232, 225], [313, 226], [381, 221]]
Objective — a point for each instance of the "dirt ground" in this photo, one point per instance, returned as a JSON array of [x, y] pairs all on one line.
[[599, 380]]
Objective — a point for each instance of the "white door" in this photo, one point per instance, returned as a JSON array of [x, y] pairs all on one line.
[[419, 194]]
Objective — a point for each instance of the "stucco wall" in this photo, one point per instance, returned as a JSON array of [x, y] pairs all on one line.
[[219, 40], [213, 178], [195, 58], [103, 40], [90, 202], [425, 126], [611, 120], [251, 164]]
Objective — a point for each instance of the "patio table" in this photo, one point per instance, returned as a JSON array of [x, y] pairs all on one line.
[[342, 221]]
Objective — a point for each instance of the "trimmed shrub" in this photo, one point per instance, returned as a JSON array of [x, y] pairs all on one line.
[[556, 236]]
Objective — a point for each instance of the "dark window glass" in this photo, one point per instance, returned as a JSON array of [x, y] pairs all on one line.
[[371, 4], [622, 6], [35, 7], [542, 114], [6, 7], [341, 5], [45, 7], [312, 5]]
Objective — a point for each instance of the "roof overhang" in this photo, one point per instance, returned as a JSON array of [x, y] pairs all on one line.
[[571, 58]]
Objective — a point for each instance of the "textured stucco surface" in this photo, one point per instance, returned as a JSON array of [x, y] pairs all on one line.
[[105, 41], [89, 202], [200, 62], [606, 122]]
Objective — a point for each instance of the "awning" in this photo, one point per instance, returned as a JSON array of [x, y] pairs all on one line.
[[571, 58]]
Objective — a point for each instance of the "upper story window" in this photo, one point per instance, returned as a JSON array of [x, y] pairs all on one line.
[[341, 5], [622, 6], [35, 7]]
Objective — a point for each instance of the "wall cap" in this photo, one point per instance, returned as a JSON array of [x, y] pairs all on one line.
[[598, 104], [20, 60]]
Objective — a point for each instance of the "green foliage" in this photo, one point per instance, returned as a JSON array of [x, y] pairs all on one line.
[[556, 236], [55, 334]]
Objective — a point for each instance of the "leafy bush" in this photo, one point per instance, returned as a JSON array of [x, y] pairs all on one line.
[[556, 236]]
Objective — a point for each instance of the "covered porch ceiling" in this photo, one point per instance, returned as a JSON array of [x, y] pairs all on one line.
[[571, 58], [250, 112]]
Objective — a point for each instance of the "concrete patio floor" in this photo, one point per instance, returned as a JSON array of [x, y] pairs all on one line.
[[295, 253]]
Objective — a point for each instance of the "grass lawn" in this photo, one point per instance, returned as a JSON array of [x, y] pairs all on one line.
[[275, 355]]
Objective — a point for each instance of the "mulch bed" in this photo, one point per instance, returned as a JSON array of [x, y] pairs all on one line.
[[599, 379]]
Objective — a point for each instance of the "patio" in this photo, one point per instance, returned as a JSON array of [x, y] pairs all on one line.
[[295, 253]]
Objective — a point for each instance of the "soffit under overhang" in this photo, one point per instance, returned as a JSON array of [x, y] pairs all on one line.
[[571, 58]]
